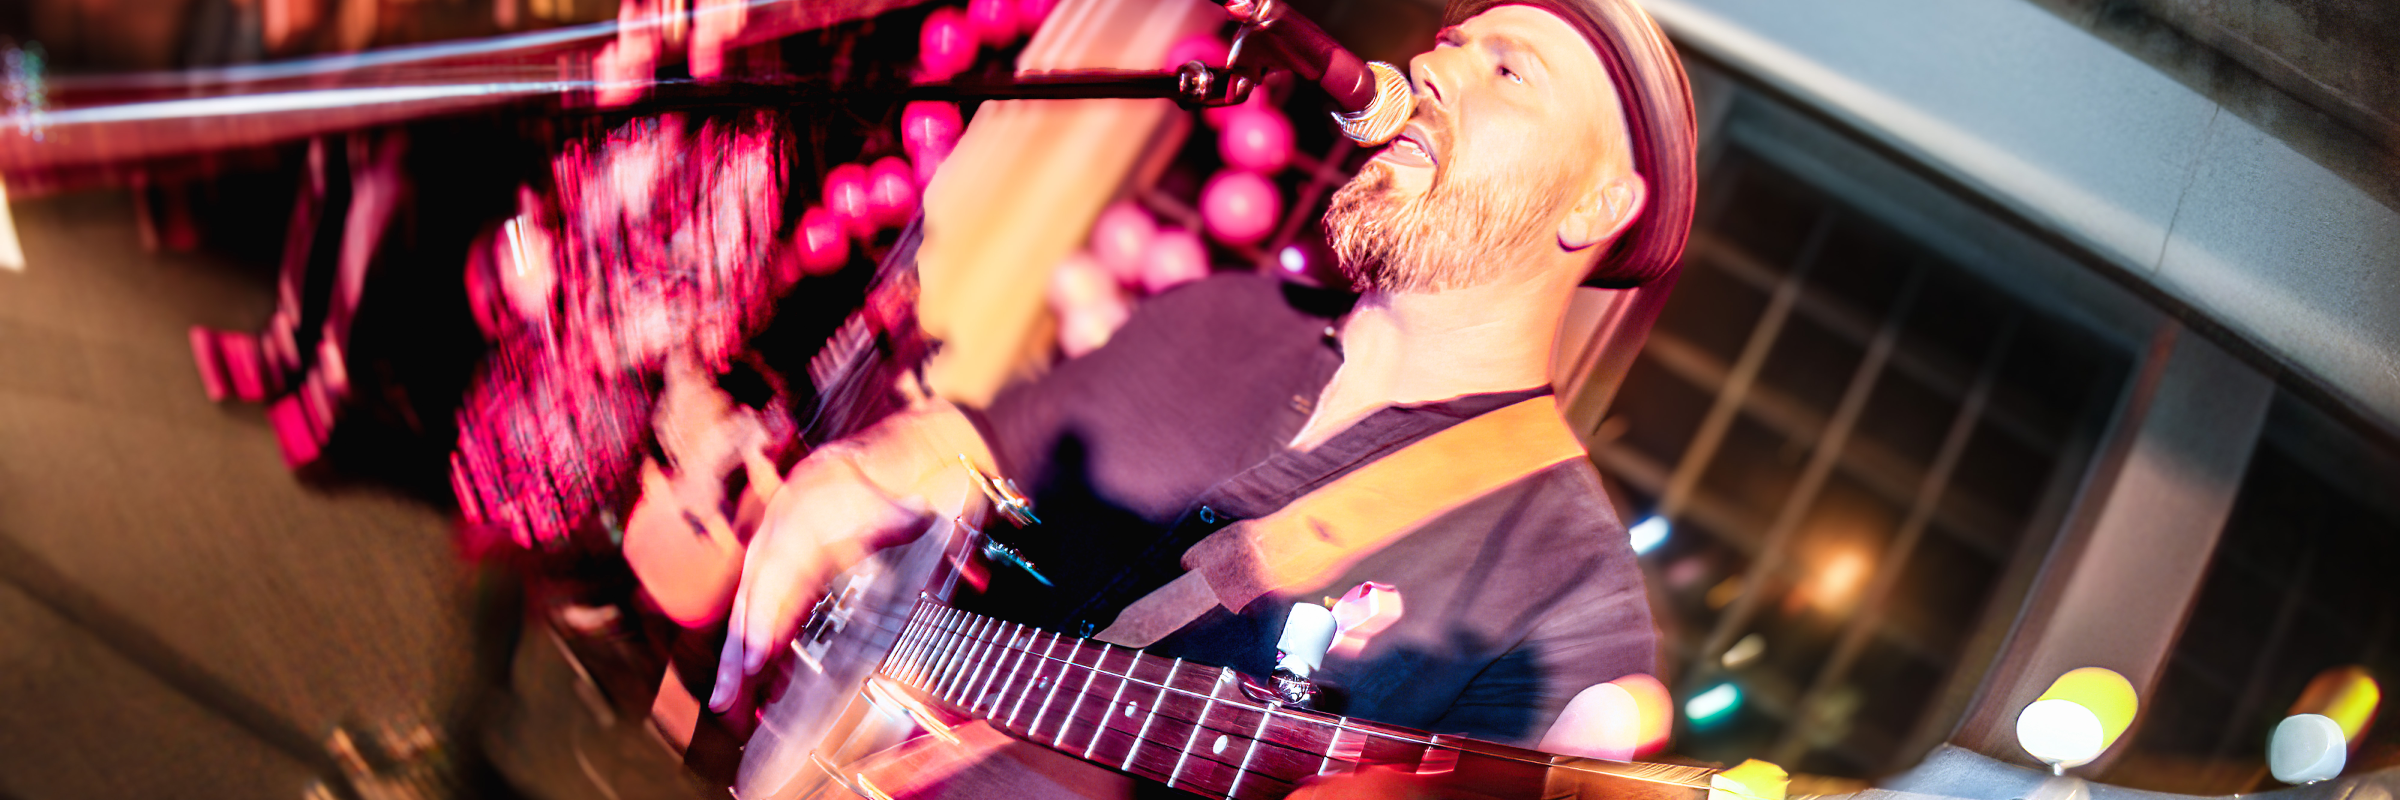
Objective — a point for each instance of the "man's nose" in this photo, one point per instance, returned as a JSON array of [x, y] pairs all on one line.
[[1421, 70]]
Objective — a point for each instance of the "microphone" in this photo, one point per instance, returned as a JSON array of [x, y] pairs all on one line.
[[1375, 98]]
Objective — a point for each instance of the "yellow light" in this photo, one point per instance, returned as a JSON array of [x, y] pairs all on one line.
[[1724, 592], [2346, 695], [2081, 714], [1749, 780], [1837, 582]]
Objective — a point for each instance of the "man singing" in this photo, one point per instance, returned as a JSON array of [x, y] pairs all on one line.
[[1551, 146]]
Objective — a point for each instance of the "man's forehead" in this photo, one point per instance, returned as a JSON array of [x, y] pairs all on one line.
[[1574, 67], [1560, 46]]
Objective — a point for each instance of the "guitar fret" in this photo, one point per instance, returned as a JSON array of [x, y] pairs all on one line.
[[1014, 667], [1033, 682], [936, 646], [1091, 673], [1060, 679], [1156, 699], [949, 656], [972, 644], [916, 651], [1326, 765], [1224, 677], [912, 640], [994, 654], [1008, 643], [1101, 725], [1243, 771], [966, 661], [975, 646], [975, 659], [1003, 638]]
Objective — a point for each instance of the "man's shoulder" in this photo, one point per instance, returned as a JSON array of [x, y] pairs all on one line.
[[1568, 500]]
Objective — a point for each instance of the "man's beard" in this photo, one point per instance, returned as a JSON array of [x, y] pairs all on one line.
[[1460, 233]]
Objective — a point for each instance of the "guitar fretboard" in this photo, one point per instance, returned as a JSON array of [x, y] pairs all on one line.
[[1189, 726]]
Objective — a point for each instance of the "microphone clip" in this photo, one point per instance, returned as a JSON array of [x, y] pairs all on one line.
[[1198, 85]]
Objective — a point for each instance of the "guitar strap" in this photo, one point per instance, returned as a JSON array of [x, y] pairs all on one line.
[[1314, 539]]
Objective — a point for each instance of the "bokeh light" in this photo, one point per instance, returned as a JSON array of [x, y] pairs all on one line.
[[2078, 717]]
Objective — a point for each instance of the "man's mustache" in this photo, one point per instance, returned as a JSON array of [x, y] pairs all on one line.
[[1436, 123]]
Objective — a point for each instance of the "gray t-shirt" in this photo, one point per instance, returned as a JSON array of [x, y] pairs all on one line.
[[1513, 603]]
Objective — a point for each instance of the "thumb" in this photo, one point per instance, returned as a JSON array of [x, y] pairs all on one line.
[[729, 662]]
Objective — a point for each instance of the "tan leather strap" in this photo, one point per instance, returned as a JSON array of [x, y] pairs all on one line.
[[1317, 537]]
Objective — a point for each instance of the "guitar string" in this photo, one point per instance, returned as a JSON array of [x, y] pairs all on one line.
[[1634, 770]]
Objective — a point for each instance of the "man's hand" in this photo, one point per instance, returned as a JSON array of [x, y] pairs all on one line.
[[825, 518], [841, 504]]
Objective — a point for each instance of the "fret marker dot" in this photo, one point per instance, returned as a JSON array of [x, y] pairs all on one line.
[[1128, 709], [1218, 747]]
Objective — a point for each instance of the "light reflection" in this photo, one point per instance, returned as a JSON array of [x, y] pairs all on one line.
[[1747, 650], [1712, 706], [1835, 585], [2346, 695], [1649, 533], [2081, 714], [2306, 748]]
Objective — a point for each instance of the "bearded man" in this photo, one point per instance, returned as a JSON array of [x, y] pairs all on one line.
[[1551, 146]]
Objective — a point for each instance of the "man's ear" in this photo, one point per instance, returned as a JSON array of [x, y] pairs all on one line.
[[1603, 212]]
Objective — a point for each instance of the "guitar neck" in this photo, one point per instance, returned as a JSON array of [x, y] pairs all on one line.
[[1193, 727]]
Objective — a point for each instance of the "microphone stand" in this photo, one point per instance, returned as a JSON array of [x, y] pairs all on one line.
[[1194, 85]]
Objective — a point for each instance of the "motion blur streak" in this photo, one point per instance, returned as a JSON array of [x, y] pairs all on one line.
[[284, 102]]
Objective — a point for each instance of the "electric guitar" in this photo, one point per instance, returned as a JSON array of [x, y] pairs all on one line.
[[884, 658]]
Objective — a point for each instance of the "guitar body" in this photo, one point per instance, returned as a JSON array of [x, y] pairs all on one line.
[[945, 703], [818, 710]]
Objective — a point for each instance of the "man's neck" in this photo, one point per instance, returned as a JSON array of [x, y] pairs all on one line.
[[1400, 349]]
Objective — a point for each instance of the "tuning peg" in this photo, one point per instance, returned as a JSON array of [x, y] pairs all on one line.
[[1307, 634]]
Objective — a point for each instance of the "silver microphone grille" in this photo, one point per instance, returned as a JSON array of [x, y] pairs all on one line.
[[1381, 119]]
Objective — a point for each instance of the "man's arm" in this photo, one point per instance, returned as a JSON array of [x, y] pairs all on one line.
[[845, 501]]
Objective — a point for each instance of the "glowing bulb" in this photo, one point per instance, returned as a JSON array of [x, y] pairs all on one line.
[[2307, 748], [1744, 651], [2347, 695], [2078, 717], [2060, 733], [1292, 259], [1837, 583], [1649, 533], [1712, 705]]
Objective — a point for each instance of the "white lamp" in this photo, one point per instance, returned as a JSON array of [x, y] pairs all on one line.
[[2307, 748]]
